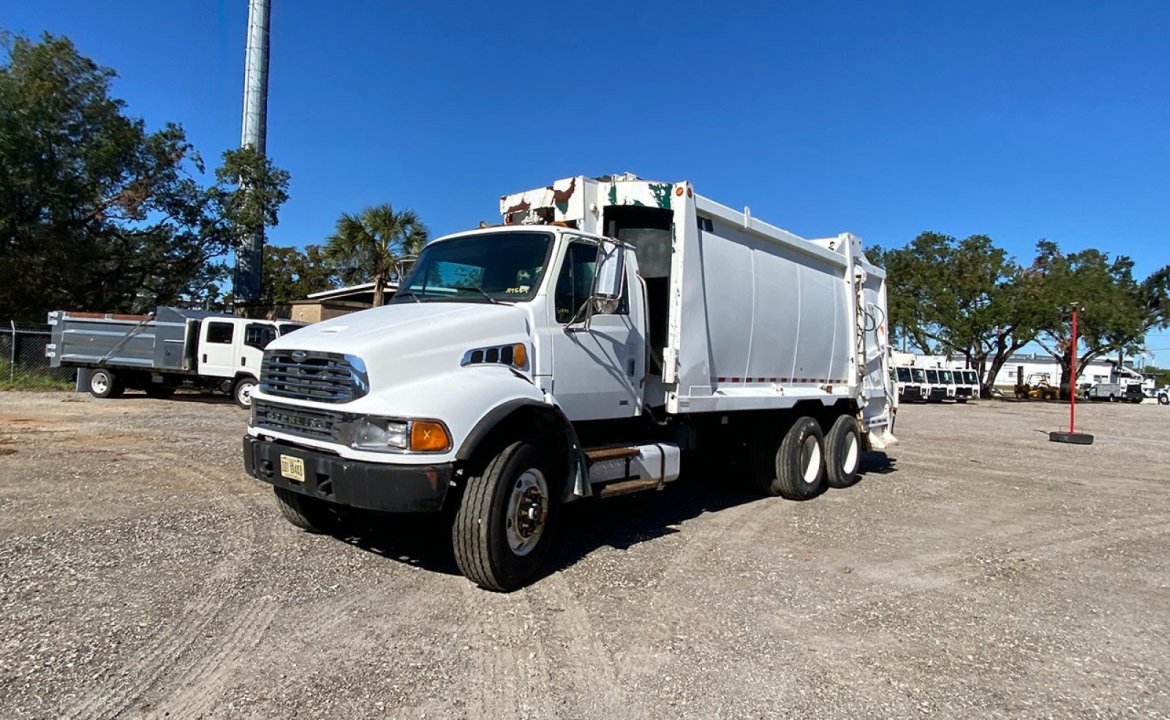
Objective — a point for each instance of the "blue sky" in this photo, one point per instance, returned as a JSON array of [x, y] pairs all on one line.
[[1021, 120]]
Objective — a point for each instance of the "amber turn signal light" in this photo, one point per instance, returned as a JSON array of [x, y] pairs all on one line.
[[428, 436]]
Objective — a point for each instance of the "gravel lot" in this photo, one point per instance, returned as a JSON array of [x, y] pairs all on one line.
[[981, 572]]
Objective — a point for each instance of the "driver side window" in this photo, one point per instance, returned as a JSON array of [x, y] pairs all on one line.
[[575, 282]]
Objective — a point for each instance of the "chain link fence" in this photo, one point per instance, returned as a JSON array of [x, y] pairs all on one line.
[[22, 357]]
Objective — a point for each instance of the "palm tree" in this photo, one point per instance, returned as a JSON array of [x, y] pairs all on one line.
[[368, 246]]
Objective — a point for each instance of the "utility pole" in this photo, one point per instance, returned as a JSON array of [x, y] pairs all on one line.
[[250, 251]]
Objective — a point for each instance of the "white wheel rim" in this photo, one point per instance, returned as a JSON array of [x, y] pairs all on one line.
[[98, 383], [851, 455], [245, 393], [527, 511], [813, 467]]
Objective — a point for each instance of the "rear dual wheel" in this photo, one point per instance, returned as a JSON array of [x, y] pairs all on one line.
[[104, 384], [806, 459], [843, 453], [795, 468]]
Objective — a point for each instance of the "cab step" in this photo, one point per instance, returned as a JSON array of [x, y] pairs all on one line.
[[632, 468], [628, 486], [612, 453]]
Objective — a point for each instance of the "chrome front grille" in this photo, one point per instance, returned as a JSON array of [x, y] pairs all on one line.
[[319, 376], [305, 422]]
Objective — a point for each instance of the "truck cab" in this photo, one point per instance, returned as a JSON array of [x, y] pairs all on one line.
[[936, 389], [947, 379], [967, 385], [911, 384]]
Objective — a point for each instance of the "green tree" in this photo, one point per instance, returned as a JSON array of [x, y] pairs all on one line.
[[1115, 311], [96, 212], [249, 192], [960, 296], [368, 246], [290, 274]]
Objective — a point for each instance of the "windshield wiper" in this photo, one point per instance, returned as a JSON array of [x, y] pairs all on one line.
[[479, 290], [417, 298]]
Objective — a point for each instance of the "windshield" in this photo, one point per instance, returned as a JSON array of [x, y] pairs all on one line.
[[919, 376], [903, 374], [945, 375], [287, 327], [972, 378], [932, 376], [490, 268]]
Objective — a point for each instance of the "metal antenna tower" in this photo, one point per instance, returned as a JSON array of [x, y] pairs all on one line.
[[250, 252]]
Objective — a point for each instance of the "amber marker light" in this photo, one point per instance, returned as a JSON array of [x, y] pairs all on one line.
[[428, 436], [520, 355]]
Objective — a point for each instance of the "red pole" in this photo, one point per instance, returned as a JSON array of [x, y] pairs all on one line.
[[1072, 385]]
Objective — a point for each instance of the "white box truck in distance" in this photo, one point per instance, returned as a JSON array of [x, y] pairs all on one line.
[[579, 350]]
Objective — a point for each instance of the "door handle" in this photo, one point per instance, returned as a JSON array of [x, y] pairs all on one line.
[[204, 357], [243, 361], [630, 367]]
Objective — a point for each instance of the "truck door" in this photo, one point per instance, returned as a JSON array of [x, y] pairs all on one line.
[[597, 365], [256, 337], [217, 348]]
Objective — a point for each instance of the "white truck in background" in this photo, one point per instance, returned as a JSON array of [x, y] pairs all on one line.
[[578, 351], [159, 352]]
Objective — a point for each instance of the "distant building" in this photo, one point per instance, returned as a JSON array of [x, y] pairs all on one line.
[[324, 305]]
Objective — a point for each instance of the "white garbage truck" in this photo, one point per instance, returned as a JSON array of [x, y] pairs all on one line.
[[610, 330]]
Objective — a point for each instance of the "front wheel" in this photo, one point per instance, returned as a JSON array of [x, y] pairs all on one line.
[[307, 513], [1164, 399], [501, 534], [242, 392]]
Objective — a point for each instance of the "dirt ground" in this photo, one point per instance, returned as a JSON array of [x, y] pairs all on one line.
[[981, 572]]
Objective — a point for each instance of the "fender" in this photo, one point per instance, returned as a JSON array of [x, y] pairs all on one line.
[[577, 477]]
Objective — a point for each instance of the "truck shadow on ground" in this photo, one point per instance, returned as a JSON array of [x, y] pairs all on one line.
[[425, 541], [184, 397]]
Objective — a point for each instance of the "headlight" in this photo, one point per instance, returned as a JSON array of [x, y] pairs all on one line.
[[380, 434], [386, 435]]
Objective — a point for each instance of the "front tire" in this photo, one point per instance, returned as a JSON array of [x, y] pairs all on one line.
[[1164, 399], [242, 392], [501, 533], [307, 513], [104, 384], [843, 453], [800, 467]]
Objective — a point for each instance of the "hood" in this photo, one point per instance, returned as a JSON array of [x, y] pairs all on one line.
[[403, 342]]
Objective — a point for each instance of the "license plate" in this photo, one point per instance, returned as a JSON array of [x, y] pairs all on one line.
[[292, 468]]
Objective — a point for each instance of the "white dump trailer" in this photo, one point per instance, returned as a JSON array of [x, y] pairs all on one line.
[[608, 332], [156, 353]]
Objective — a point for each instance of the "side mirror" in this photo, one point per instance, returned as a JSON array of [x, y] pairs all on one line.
[[610, 277]]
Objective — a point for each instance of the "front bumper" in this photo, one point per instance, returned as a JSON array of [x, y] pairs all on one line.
[[371, 486]]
